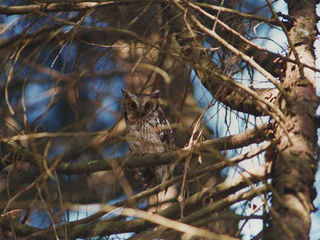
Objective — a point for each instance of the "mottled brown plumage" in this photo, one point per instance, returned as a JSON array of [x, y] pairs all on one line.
[[148, 130]]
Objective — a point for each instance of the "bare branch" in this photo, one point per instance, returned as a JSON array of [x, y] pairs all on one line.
[[79, 229], [59, 6], [243, 139]]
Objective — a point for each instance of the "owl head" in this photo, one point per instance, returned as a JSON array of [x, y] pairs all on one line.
[[137, 107]]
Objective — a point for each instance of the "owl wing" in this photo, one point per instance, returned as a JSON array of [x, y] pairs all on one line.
[[166, 133]]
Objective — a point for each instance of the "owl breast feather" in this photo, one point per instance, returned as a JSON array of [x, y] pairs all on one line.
[[145, 137]]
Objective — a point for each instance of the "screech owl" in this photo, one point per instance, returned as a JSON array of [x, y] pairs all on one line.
[[148, 130]]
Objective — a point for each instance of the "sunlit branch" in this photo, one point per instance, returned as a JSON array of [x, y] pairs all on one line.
[[168, 223], [203, 212], [249, 43], [40, 35], [234, 185], [234, 141], [83, 227], [223, 25], [221, 86], [60, 6], [225, 202], [243, 56], [291, 45], [238, 13], [51, 135]]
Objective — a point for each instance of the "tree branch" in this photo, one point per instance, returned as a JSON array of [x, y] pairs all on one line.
[[255, 135], [66, 6], [212, 77], [82, 228]]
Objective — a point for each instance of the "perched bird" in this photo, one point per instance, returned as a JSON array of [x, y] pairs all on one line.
[[148, 131]]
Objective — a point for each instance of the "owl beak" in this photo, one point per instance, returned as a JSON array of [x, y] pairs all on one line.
[[142, 113]]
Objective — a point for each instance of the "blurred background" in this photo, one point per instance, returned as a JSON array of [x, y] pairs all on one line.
[[61, 76]]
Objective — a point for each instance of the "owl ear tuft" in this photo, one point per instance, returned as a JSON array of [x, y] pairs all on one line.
[[126, 93], [155, 94]]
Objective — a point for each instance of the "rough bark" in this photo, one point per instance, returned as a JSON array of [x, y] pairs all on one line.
[[295, 165], [209, 73], [224, 192], [177, 39], [211, 76]]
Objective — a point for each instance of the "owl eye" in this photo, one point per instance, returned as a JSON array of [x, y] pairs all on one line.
[[147, 105], [133, 105]]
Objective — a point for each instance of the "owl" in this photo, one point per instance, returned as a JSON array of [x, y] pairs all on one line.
[[148, 130]]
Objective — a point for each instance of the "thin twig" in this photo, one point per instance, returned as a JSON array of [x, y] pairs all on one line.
[[291, 45]]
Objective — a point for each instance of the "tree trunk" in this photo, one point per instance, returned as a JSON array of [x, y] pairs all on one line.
[[295, 165]]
